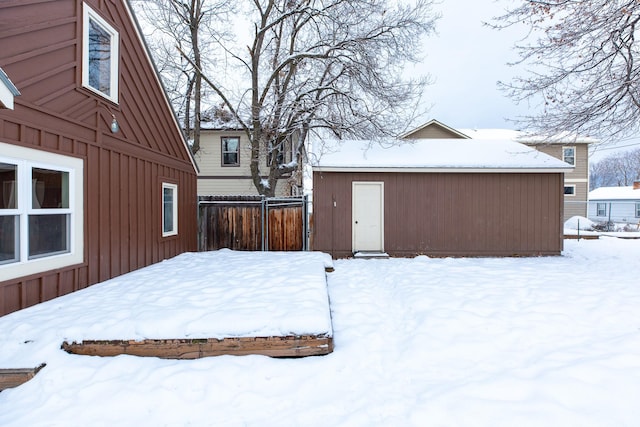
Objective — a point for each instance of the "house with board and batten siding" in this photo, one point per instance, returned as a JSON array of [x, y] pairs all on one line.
[[96, 177], [571, 149]]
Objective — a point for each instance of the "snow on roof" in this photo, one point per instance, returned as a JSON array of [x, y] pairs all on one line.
[[433, 155], [492, 133], [614, 193], [217, 124]]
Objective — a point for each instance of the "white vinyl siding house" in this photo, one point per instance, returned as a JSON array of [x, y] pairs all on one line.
[[616, 204]]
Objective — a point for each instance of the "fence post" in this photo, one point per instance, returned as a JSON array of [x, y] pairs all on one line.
[[305, 223], [262, 223]]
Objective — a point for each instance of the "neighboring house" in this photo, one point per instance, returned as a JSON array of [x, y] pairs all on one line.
[[224, 161], [96, 178], [440, 197], [573, 150], [616, 204]]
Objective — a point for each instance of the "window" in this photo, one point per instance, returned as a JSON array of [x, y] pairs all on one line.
[[41, 215], [230, 151], [569, 155], [169, 209], [284, 154], [569, 190], [100, 55], [637, 210], [601, 209]]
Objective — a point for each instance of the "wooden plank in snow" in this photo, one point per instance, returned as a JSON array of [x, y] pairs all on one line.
[[288, 346], [10, 378]]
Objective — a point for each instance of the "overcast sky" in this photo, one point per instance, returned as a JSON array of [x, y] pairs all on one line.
[[466, 59]]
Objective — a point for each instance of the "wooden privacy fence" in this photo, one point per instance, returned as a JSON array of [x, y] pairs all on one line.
[[252, 223]]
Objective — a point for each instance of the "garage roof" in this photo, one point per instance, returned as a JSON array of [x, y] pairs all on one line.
[[434, 155]]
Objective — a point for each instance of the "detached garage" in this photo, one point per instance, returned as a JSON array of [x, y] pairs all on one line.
[[437, 197]]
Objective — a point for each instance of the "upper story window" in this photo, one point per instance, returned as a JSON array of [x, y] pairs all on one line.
[[99, 55], [169, 209], [569, 155], [230, 151], [284, 153], [41, 220]]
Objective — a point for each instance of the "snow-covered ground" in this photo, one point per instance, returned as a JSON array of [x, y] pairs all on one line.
[[418, 342]]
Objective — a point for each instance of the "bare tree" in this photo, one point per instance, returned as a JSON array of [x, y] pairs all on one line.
[[180, 33], [302, 67], [582, 56], [618, 170]]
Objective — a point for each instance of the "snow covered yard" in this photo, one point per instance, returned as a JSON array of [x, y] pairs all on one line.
[[437, 342]]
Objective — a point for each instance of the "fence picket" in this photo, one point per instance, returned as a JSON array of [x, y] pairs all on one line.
[[237, 223]]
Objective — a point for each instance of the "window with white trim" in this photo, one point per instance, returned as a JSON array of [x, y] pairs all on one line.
[[169, 209], [99, 55], [570, 190], [41, 219], [230, 151], [601, 209], [569, 155], [637, 210]]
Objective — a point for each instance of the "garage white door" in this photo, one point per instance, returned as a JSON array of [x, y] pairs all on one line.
[[368, 216]]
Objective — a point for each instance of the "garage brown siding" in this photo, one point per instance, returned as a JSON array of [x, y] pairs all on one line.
[[123, 172], [447, 214]]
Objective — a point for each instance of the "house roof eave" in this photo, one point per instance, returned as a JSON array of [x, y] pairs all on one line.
[[437, 123], [7, 91], [156, 73], [439, 169]]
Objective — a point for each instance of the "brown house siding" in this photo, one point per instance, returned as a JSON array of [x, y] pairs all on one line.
[[123, 172], [447, 214]]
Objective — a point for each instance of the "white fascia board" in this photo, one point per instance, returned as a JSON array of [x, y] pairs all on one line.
[[442, 170], [7, 91]]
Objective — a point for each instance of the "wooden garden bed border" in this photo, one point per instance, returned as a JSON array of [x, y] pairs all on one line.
[[10, 378], [287, 346]]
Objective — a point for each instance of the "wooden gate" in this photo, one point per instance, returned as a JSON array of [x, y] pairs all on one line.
[[252, 223]]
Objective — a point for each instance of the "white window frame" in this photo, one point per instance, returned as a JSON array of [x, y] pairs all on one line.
[[564, 156], [604, 211], [637, 209], [174, 228], [90, 14], [26, 159], [223, 152], [573, 192]]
